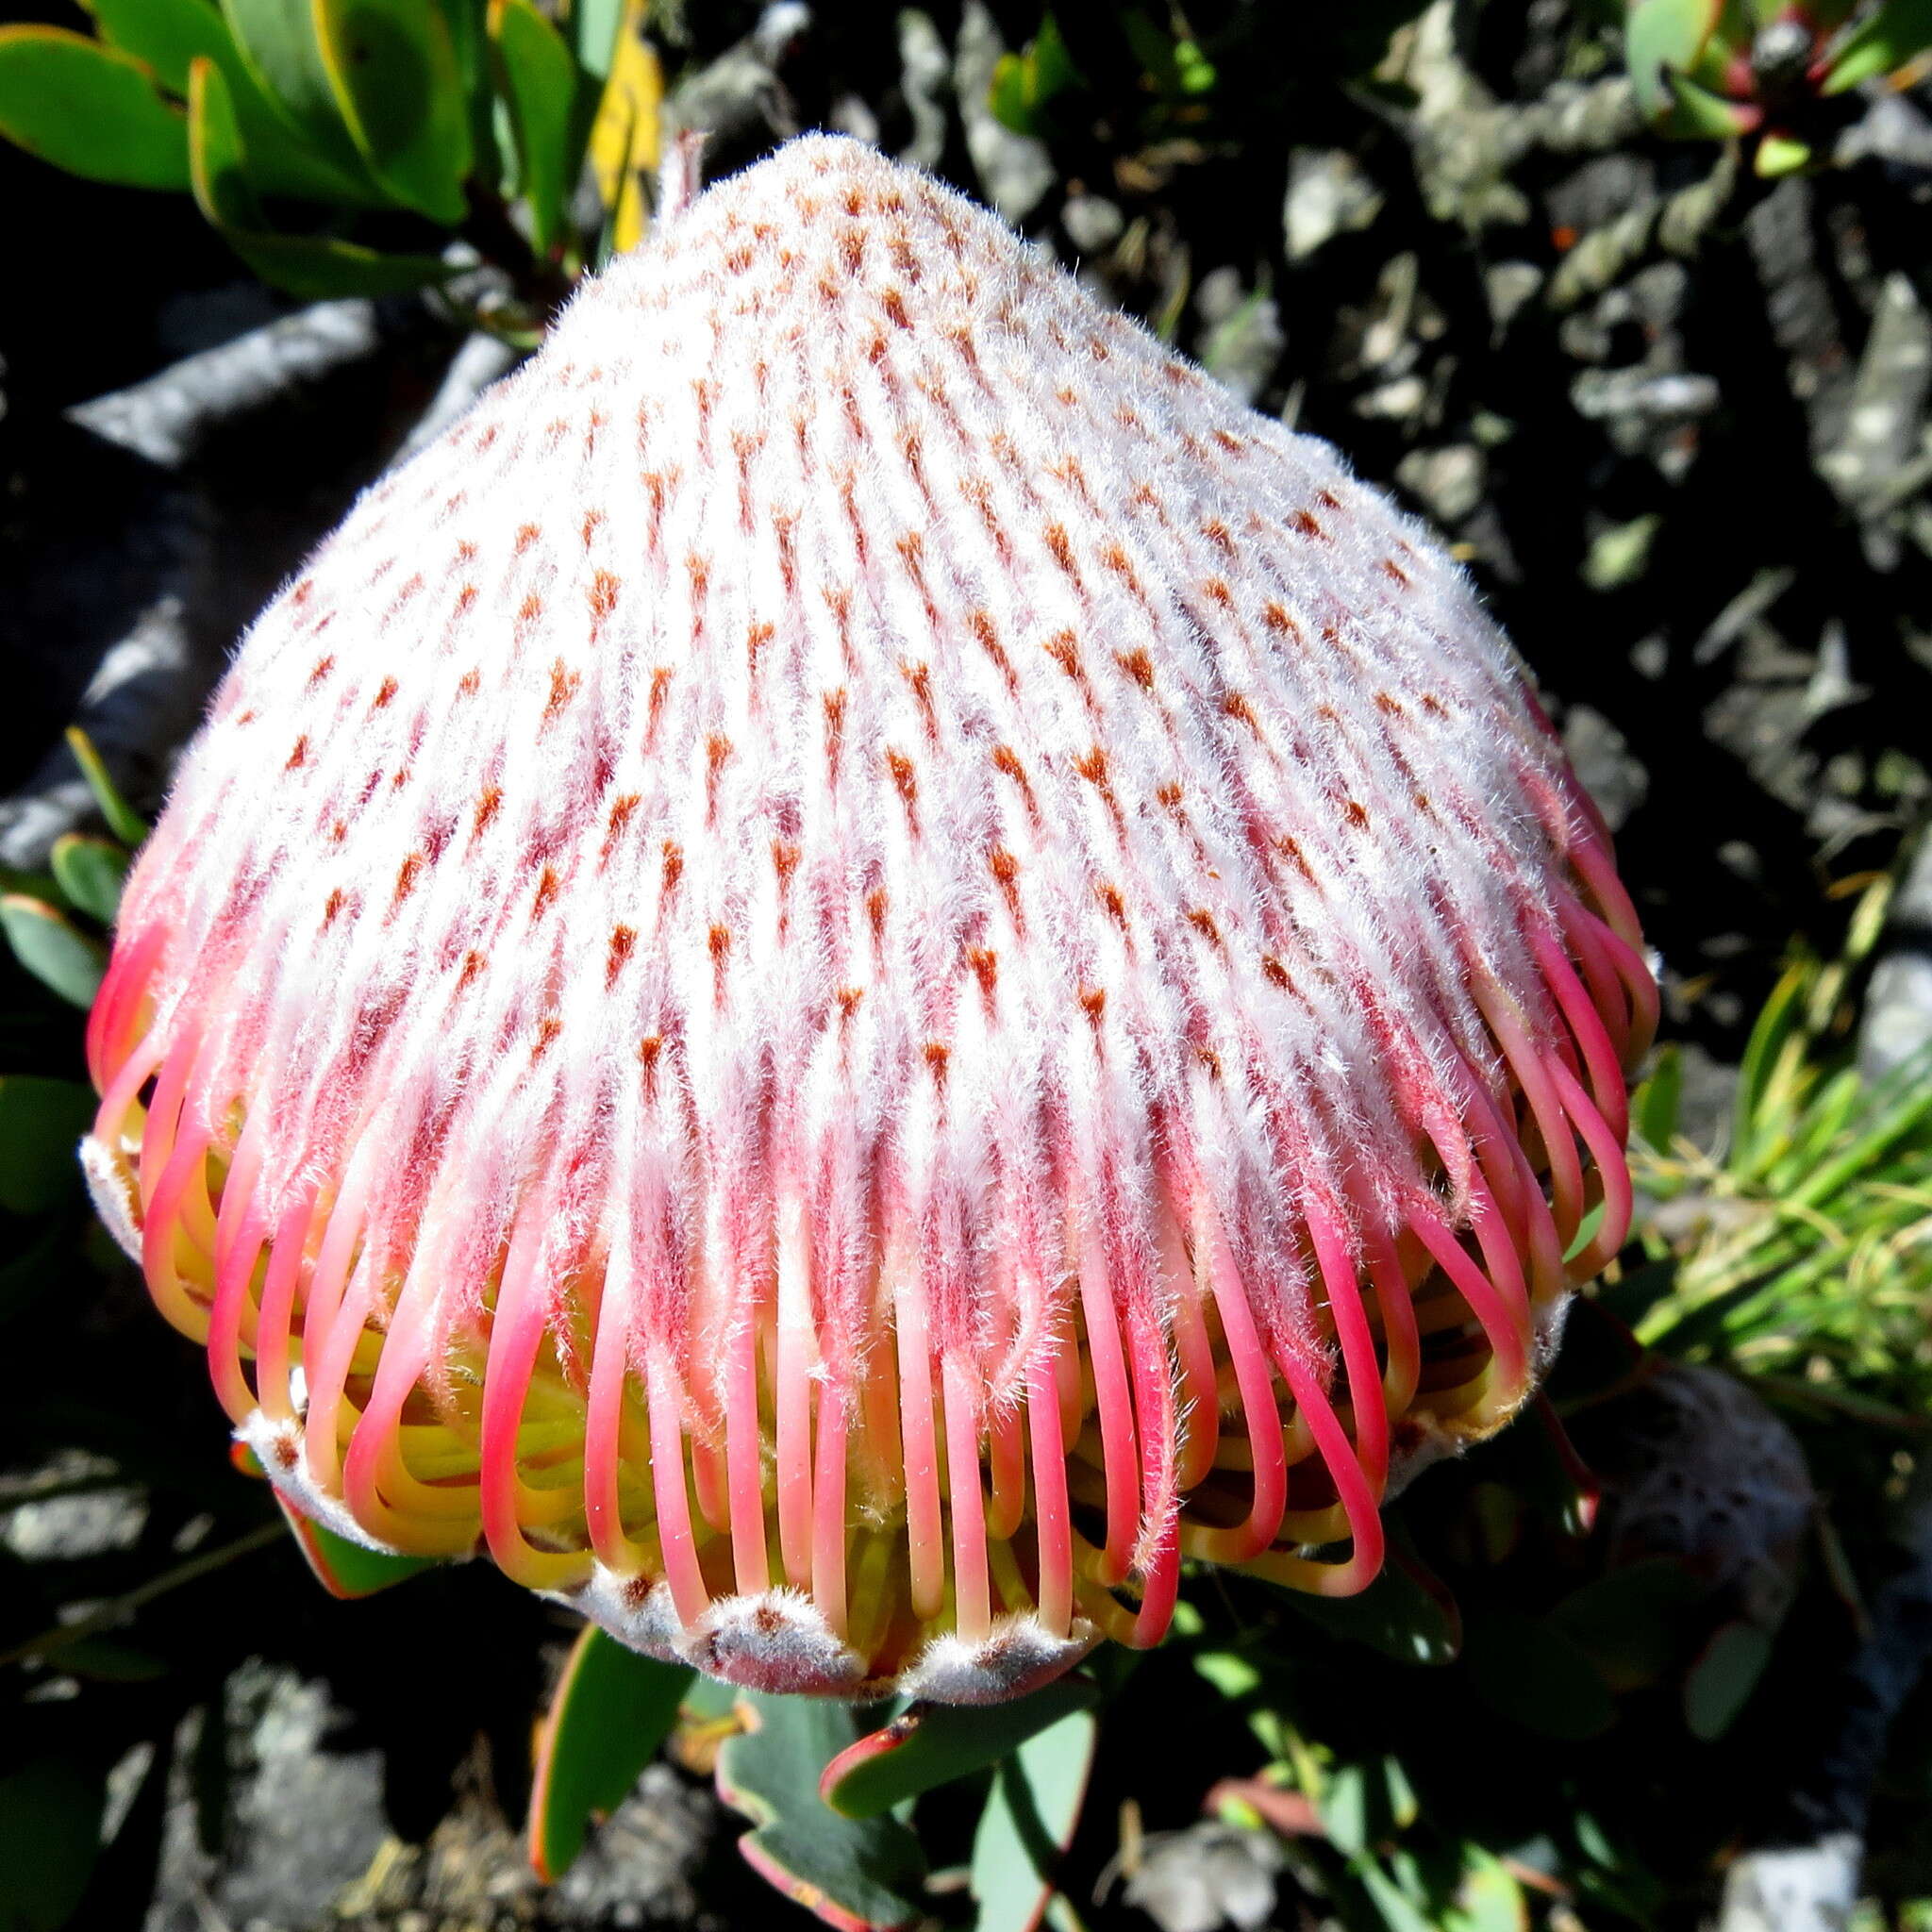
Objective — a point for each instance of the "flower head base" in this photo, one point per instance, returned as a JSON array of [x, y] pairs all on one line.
[[863, 966]]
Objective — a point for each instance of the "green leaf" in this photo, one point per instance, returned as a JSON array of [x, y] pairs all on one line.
[[1880, 43], [88, 109], [1655, 1104], [1630, 1619], [1779, 155], [89, 873], [1776, 1026], [393, 65], [279, 41], [932, 1744], [57, 953], [1396, 1911], [40, 1124], [1723, 1680], [1489, 1899], [612, 1710], [1697, 114], [50, 1836], [1025, 85], [593, 26], [853, 1874], [123, 820], [1535, 1674], [1665, 36], [540, 80], [166, 34], [314, 267], [1345, 1808], [345, 1569], [171, 35], [1031, 1814]]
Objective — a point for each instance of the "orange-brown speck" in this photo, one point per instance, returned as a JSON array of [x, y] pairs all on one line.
[[602, 598], [407, 875], [488, 804], [624, 940], [298, 756], [904, 776], [563, 687]]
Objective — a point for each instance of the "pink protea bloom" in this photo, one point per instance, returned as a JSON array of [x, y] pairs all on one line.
[[863, 966]]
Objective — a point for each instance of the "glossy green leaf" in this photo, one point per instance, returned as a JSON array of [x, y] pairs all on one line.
[[345, 1569], [1665, 36], [1880, 43], [853, 1874], [1032, 1811], [170, 35], [278, 40], [54, 951], [539, 80], [88, 109], [50, 1836], [393, 65], [42, 1120], [931, 1745], [612, 1710], [314, 267], [123, 820], [90, 873], [1722, 1680], [165, 34]]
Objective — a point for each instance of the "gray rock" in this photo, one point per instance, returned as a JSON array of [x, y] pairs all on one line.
[[1328, 194]]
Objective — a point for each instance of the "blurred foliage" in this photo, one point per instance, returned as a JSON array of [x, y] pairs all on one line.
[[1605, 1642], [302, 130]]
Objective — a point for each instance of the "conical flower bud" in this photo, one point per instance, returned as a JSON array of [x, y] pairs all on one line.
[[861, 967]]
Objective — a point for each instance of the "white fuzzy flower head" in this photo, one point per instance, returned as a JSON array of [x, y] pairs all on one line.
[[863, 965]]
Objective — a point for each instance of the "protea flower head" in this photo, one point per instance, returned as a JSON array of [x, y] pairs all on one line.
[[863, 966]]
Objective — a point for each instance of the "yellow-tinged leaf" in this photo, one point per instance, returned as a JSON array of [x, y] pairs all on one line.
[[624, 136]]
